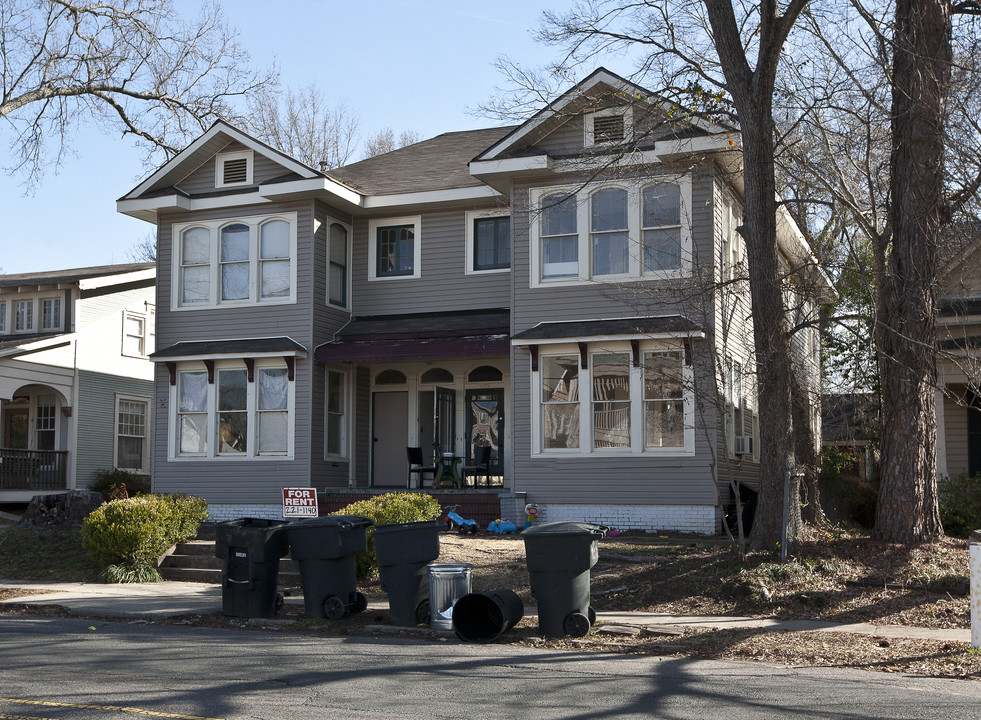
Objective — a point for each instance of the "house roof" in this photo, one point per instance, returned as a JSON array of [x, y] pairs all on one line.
[[661, 325], [420, 336], [58, 277], [239, 347], [436, 164]]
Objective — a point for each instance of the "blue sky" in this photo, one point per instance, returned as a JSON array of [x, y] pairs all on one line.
[[420, 65]]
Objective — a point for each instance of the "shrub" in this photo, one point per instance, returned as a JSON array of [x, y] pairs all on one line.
[[389, 509], [132, 533], [108, 480], [960, 504]]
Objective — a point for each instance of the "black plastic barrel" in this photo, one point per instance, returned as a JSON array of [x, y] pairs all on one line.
[[324, 548], [403, 553], [485, 616], [250, 549], [559, 556]]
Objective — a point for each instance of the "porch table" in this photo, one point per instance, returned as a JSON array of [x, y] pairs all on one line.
[[446, 473]]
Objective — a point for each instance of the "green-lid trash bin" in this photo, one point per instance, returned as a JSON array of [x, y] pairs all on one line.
[[250, 549], [404, 552], [325, 549], [559, 556]]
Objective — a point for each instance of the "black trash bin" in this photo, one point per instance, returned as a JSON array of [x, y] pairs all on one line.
[[324, 548], [559, 556], [404, 551], [250, 549]]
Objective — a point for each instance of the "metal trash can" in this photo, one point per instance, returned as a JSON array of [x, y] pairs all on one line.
[[324, 548], [448, 582], [250, 549], [404, 552], [559, 556]]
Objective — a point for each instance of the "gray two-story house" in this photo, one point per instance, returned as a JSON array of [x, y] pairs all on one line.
[[567, 292]]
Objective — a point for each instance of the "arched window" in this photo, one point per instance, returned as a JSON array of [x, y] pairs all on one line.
[[436, 375], [485, 373], [390, 377]]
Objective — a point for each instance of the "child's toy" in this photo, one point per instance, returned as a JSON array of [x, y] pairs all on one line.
[[531, 515], [454, 520], [502, 526]]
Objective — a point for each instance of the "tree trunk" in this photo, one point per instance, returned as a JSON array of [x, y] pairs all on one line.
[[908, 510], [805, 453]]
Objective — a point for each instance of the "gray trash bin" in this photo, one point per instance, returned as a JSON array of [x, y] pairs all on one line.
[[324, 548], [559, 556], [448, 582], [404, 551], [250, 549]]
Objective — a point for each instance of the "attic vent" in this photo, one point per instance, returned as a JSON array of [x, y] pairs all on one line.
[[608, 128], [235, 171]]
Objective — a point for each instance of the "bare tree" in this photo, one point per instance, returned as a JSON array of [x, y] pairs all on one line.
[[146, 249], [695, 53], [130, 66], [304, 125], [385, 141]]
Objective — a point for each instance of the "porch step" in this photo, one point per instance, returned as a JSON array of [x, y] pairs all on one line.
[[195, 561]]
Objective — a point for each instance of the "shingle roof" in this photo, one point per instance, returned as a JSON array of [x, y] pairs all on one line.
[[615, 326], [441, 163], [51, 277]]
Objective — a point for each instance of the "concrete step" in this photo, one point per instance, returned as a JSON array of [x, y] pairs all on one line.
[[195, 561]]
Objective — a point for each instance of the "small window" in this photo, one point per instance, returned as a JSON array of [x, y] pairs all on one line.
[[436, 375], [132, 445], [233, 169], [394, 250], [390, 377], [134, 335], [337, 265], [491, 243], [485, 373]]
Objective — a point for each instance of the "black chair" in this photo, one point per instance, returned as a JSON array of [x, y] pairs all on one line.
[[480, 466], [417, 468]]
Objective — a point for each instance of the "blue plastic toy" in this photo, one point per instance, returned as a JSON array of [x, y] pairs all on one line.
[[454, 520], [503, 527]]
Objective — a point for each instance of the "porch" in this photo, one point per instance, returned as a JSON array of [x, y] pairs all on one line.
[[33, 470]]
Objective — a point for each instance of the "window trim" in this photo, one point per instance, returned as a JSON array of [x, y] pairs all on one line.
[[471, 258], [222, 158], [212, 453], [583, 196], [589, 138], [637, 404], [145, 470], [214, 228], [346, 404], [373, 226], [347, 268]]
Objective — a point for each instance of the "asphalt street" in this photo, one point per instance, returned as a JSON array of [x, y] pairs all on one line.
[[78, 669]]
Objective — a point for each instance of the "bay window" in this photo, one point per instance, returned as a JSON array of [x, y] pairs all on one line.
[[640, 398], [242, 261], [630, 230], [237, 409]]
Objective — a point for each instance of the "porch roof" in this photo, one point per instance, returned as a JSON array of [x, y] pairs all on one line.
[[244, 347], [420, 336], [661, 326]]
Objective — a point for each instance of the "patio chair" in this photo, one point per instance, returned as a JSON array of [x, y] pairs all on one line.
[[480, 465], [417, 468]]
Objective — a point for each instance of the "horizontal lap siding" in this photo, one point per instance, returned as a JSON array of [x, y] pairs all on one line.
[[232, 481], [955, 437], [444, 286], [589, 478]]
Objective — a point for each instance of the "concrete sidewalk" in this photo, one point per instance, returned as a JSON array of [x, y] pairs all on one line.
[[168, 598]]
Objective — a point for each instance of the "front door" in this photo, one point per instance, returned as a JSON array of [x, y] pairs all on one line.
[[485, 425], [15, 428], [390, 431]]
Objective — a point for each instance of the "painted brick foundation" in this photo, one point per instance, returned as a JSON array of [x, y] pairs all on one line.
[[700, 519]]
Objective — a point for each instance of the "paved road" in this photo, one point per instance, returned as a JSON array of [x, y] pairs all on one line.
[[83, 670]]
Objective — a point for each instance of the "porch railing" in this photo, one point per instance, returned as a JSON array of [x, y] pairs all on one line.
[[33, 469]]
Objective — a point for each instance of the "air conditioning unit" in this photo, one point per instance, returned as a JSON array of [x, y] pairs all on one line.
[[744, 444]]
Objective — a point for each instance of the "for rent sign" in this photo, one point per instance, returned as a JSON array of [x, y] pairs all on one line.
[[299, 502]]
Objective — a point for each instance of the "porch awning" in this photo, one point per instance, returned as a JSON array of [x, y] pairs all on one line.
[[239, 348], [657, 327], [420, 336]]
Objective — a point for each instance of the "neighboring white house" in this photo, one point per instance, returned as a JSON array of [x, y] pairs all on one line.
[[75, 382]]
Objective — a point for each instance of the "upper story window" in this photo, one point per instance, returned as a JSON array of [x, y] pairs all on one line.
[[394, 248], [32, 315], [234, 169], [621, 231], [488, 241], [338, 252], [237, 262], [608, 127]]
